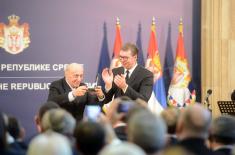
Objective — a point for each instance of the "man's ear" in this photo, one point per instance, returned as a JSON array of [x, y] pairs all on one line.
[[38, 123], [136, 56]]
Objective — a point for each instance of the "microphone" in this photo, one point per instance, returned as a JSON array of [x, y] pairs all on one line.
[[206, 101]]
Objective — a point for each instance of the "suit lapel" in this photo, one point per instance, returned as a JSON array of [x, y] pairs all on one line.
[[134, 74], [66, 86]]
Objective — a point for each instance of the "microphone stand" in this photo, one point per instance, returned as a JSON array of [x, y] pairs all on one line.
[[207, 104]]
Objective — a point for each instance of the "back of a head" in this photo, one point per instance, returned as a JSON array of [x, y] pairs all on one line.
[[3, 142], [49, 143], [170, 116], [147, 130], [223, 130], [59, 121], [13, 127], [195, 121], [124, 148], [90, 137], [45, 107]]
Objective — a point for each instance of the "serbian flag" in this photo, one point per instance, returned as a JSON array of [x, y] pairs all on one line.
[[181, 92], [115, 62], [117, 47], [157, 101]]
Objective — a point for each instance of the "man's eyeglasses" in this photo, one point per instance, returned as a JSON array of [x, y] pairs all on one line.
[[123, 58]]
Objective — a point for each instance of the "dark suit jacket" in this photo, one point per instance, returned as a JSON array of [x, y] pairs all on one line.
[[196, 146], [58, 92], [224, 151], [140, 85], [120, 132]]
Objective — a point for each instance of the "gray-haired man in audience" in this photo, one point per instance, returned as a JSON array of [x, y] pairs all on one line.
[[49, 143], [192, 129], [147, 131], [222, 136]]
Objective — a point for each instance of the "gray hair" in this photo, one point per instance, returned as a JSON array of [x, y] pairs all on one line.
[[68, 66], [122, 149], [196, 120], [147, 130], [223, 129], [49, 143], [59, 121]]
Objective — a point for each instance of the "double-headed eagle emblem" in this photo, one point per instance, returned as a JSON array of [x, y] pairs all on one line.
[[14, 38]]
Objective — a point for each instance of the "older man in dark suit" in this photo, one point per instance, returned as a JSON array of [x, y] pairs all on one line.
[[73, 95], [222, 135], [130, 80]]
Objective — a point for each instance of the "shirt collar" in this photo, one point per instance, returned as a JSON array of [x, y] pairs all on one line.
[[130, 70], [69, 85]]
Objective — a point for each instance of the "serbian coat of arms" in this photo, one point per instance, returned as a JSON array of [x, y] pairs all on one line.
[[14, 38]]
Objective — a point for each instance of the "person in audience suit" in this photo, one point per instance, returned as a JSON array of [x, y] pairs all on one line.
[[130, 80], [49, 143], [60, 121], [222, 135], [73, 95], [90, 137], [170, 115], [5, 147], [17, 132], [38, 118], [117, 115], [42, 110], [147, 130], [193, 129]]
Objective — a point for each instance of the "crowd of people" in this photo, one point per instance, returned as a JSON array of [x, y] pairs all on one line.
[[134, 130], [127, 126]]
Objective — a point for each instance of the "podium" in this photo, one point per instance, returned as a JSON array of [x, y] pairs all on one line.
[[227, 107]]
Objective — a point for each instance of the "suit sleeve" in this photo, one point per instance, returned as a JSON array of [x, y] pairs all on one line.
[[109, 95], [56, 95], [145, 90]]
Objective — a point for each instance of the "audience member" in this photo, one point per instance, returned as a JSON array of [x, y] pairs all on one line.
[[147, 131], [90, 137], [124, 148], [117, 114], [5, 147], [222, 135], [192, 129], [60, 121], [17, 132], [49, 143], [170, 116], [42, 110]]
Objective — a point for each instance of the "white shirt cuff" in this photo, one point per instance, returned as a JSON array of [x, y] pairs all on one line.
[[124, 90], [71, 97], [107, 89]]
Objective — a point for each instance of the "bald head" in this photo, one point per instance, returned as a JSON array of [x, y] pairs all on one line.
[[74, 74], [194, 121]]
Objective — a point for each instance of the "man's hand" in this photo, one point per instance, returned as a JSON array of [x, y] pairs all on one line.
[[107, 76], [99, 92], [80, 91], [120, 81]]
